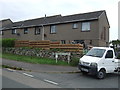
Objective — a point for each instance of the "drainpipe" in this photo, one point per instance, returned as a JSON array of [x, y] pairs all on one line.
[[43, 32]]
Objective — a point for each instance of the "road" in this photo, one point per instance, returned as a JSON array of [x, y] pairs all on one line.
[[17, 79], [25, 79]]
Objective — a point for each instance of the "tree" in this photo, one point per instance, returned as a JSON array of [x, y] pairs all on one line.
[[115, 43]]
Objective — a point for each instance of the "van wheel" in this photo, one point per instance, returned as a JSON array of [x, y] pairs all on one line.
[[101, 74]]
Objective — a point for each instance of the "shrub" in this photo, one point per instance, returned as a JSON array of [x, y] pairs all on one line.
[[74, 61], [0, 42], [9, 42]]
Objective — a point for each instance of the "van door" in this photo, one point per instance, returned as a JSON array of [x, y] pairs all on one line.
[[109, 61]]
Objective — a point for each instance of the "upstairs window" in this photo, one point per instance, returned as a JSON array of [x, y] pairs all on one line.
[[37, 30], [53, 29], [25, 30], [14, 31], [85, 26], [75, 26]]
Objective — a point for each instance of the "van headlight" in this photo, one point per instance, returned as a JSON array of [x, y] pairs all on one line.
[[93, 64]]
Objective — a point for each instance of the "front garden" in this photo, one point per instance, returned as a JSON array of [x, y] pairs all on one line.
[[37, 55]]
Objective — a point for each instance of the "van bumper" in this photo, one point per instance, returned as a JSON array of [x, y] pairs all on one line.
[[89, 69]]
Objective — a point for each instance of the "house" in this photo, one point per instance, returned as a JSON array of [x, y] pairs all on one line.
[[92, 28], [4, 23]]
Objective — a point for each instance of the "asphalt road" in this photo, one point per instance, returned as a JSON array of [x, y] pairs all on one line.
[[9, 83], [56, 80], [16, 79]]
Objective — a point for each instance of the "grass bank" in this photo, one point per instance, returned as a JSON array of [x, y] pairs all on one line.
[[35, 60]]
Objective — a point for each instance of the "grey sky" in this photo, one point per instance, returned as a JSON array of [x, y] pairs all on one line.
[[18, 10]]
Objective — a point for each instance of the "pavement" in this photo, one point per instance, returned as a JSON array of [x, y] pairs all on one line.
[[40, 67]]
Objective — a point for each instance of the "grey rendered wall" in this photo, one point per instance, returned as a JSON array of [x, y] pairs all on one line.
[[64, 32], [103, 23]]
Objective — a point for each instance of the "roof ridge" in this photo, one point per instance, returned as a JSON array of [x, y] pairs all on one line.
[[39, 18], [85, 13]]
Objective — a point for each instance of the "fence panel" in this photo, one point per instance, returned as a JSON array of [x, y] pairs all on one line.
[[50, 45], [21, 43], [40, 44], [68, 47]]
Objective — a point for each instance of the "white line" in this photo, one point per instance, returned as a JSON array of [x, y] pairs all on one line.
[[28, 75], [11, 70], [50, 81]]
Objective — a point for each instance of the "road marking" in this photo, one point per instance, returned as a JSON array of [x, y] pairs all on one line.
[[50, 81], [11, 70], [28, 75]]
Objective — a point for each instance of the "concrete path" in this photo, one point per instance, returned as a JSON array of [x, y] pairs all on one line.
[[40, 67]]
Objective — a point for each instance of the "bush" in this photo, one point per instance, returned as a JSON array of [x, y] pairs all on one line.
[[0, 42], [10, 42], [74, 61]]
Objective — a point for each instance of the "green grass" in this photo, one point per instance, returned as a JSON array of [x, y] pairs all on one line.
[[34, 60]]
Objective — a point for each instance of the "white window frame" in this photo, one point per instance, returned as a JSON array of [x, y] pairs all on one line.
[[25, 30], [14, 31], [75, 25], [53, 29], [63, 41], [85, 26], [37, 30], [1, 32]]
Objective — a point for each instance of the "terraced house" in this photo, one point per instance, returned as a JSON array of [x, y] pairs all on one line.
[[91, 28]]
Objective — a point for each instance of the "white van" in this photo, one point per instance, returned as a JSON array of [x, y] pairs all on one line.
[[99, 61]]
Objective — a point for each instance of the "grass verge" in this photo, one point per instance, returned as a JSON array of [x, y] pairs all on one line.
[[34, 60]]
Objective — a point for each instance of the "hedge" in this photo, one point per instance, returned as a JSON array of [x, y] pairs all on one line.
[[9, 42]]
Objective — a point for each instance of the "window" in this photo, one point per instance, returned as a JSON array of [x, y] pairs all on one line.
[[78, 41], [14, 31], [53, 29], [25, 30], [63, 41], [1, 33], [90, 42], [85, 26], [109, 54], [37, 30], [75, 25]]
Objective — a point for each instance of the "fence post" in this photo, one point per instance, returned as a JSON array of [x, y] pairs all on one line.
[[56, 57], [68, 58]]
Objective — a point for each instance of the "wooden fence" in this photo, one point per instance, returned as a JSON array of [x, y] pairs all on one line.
[[21, 43], [50, 45]]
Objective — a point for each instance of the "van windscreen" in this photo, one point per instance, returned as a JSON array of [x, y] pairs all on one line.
[[96, 52]]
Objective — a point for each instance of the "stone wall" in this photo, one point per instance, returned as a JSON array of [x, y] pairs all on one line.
[[41, 53]]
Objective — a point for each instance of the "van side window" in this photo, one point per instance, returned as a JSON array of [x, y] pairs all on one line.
[[109, 54]]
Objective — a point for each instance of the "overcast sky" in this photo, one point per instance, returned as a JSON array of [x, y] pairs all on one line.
[[18, 10]]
